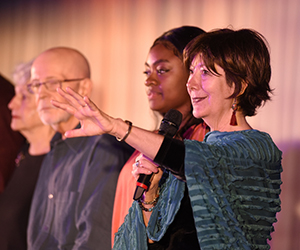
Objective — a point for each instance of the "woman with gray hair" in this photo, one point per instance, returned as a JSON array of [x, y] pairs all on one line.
[[16, 199]]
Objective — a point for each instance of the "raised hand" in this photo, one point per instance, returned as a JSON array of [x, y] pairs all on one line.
[[93, 121]]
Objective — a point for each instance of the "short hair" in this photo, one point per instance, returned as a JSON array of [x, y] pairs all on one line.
[[176, 39], [244, 57], [21, 74]]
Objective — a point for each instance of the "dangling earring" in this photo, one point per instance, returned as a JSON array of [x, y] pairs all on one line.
[[233, 117]]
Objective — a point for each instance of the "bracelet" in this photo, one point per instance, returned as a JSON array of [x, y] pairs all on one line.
[[153, 202], [147, 209], [127, 133], [150, 202]]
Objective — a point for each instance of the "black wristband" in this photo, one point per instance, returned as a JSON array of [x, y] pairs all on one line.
[[171, 156]]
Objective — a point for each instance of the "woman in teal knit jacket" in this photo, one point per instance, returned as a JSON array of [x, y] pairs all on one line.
[[233, 176]]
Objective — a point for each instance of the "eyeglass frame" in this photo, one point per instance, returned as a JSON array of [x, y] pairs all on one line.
[[39, 84]]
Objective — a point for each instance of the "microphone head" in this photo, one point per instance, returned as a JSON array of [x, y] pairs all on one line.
[[170, 123]]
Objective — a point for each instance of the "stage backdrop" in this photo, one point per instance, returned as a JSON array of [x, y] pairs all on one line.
[[115, 36]]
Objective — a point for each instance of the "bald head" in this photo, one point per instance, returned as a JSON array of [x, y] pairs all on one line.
[[54, 65], [70, 61]]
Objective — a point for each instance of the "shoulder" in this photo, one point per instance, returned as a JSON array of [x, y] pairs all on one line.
[[254, 139], [254, 143], [245, 136]]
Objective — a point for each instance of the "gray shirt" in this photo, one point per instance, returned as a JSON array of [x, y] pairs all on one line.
[[73, 200]]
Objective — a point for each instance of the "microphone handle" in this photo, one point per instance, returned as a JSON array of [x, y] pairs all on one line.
[[142, 185], [169, 126]]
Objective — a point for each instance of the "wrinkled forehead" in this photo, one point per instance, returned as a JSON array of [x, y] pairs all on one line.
[[52, 64]]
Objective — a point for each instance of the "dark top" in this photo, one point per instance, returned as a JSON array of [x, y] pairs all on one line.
[[73, 200], [10, 141], [182, 234], [15, 202]]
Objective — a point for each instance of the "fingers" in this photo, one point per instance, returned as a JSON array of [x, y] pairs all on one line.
[[147, 163], [58, 104], [63, 106], [93, 121], [83, 101], [75, 102], [138, 169], [135, 171], [73, 98], [74, 133], [143, 165], [71, 106]]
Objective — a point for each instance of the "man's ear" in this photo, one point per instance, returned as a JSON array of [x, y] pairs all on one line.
[[85, 87]]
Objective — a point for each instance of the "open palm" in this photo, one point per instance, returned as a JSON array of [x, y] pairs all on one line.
[[93, 121]]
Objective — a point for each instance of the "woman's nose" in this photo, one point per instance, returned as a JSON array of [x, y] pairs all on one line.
[[151, 80], [191, 84], [12, 103]]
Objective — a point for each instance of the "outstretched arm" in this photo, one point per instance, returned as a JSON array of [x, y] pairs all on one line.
[[95, 122]]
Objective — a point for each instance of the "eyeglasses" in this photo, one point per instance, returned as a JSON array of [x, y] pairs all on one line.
[[51, 85]]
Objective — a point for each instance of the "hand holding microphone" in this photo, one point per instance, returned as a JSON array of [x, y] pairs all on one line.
[[169, 126]]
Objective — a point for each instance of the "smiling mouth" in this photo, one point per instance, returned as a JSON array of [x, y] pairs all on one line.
[[197, 99]]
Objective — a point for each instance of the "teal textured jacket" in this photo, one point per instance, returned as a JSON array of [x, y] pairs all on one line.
[[233, 180]]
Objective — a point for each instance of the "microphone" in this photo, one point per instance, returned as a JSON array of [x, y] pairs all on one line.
[[169, 126]]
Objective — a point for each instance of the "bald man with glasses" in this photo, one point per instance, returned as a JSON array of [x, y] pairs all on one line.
[[73, 200]]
